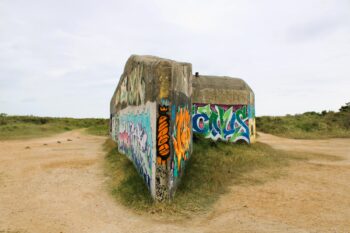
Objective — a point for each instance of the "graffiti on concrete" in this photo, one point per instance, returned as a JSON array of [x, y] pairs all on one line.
[[123, 92], [228, 123], [163, 147], [181, 137], [114, 126], [135, 140], [132, 88], [251, 111], [136, 86], [164, 84], [251, 117]]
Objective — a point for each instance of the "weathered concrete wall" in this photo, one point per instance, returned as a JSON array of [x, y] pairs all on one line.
[[223, 108], [151, 120]]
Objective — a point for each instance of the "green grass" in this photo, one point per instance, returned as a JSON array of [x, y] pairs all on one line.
[[211, 170], [99, 128], [23, 127], [309, 125]]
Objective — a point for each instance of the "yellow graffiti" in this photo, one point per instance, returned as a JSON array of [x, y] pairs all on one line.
[[183, 135], [164, 87]]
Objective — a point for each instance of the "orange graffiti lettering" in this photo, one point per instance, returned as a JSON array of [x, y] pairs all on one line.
[[163, 148], [183, 135]]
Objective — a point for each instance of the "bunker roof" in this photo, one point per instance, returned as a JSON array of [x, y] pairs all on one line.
[[151, 60], [141, 80], [221, 90], [220, 82]]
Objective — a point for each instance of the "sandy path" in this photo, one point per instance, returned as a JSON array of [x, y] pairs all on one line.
[[59, 187], [335, 146], [311, 196]]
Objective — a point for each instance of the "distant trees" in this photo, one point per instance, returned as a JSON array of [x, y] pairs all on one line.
[[345, 108]]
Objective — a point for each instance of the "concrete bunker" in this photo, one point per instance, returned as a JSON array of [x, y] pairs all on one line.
[[223, 108], [154, 113], [151, 120]]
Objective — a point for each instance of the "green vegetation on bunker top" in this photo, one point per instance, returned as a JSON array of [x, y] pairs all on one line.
[[309, 125], [211, 170], [23, 127]]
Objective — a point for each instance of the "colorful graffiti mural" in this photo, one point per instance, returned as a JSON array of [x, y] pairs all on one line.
[[181, 137], [163, 147], [228, 123], [135, 140]]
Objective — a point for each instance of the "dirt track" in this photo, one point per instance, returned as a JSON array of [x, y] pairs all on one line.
[[59, 187]]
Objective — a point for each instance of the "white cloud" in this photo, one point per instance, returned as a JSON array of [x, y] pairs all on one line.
[[67, 56]]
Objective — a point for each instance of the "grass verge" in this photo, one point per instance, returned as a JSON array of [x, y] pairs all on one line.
[[309, 125], [211, 170], [23, 127]]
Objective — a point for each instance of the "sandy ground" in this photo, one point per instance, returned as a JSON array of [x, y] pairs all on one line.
[[60, 187]]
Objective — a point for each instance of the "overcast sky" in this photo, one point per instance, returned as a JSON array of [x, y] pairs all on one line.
[[64, 58]]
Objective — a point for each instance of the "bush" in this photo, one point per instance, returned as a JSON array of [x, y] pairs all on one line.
[[308, 125]]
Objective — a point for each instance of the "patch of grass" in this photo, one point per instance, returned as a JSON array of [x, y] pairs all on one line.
[[99, 128], [309, 125], [211, 170], [22, 127], [124, 181]]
